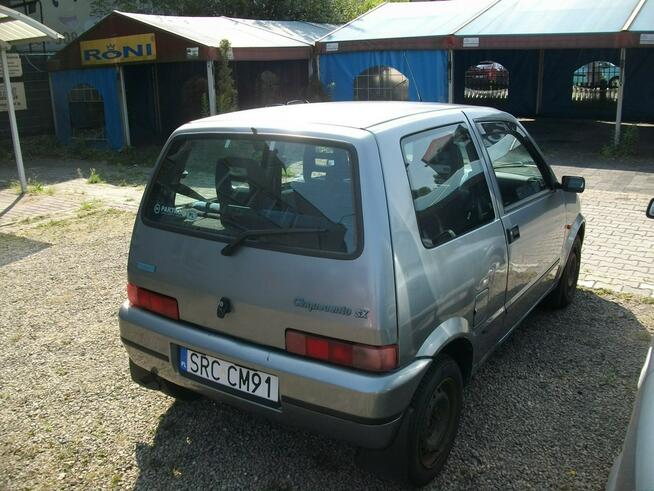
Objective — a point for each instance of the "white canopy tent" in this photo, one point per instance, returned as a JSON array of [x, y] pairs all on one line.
[[17, 28]]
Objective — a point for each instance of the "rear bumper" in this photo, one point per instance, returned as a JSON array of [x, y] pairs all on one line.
[[364, 409]]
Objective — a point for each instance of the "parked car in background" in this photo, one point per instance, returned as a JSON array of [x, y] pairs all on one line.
[[597, 74], [487, 75], [633, 468], [345, 267]]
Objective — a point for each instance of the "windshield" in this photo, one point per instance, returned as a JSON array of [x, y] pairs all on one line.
[[223, 187]]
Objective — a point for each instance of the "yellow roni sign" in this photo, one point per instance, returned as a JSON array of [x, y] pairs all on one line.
[[124, 49]]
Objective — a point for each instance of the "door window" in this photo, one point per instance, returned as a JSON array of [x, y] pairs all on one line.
[[450, 192], [515, 164]]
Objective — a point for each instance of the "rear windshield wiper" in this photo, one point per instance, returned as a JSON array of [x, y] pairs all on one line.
[[230, 248]]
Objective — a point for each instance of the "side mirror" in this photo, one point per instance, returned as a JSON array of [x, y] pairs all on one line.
[[573, 184], [650, 209]]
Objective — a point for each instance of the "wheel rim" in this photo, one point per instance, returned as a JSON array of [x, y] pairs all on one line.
[[573, 271], [437, 423]]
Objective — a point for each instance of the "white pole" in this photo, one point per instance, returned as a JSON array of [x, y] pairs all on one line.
[[450, 77], [211, 88], [539, 89], [618, 113], [12, 120], [123, 104]]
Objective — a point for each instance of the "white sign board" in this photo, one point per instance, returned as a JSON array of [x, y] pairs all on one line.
[[470, 42], [331, 47], [20, 103], [15, 65], [647, 39]]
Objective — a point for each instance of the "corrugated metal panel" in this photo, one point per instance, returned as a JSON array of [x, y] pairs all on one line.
[[407, 20], [530, 17], [644, 22], [209, 31]]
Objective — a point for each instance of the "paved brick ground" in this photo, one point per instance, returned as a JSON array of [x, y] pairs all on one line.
[[618, 252]]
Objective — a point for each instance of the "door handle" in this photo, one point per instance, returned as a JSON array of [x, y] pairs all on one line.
[[513, 234]]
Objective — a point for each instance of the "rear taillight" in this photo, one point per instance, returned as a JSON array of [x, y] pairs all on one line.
[[154, 302], [361, 356]]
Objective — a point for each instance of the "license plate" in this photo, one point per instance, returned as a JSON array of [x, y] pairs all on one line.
[[224, 373]]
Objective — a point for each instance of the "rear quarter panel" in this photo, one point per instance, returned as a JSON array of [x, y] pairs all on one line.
[[437, 287]]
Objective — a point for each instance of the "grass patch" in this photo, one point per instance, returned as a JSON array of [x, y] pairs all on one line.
[[89, 207], [33, 187], [94, 177], [628, 146], [47, 146]]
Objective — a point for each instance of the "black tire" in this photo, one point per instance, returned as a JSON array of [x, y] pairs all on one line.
[[565, 291], [434, 420]]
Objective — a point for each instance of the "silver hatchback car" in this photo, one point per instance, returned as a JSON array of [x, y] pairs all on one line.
[[346, 267]]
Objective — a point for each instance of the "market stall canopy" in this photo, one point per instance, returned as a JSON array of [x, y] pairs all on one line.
[[556, 24], [17, 28], [175, 39], [416, 25], [510, 24]]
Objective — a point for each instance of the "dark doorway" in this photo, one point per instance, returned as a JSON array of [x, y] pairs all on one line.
[[182, 94], [142, 106], [265, 83]]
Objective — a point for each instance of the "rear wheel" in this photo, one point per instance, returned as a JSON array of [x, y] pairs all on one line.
[[565, 291], [434, 420]]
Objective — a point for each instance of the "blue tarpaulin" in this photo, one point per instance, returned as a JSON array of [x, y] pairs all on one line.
[[426, 71], [105, 81]]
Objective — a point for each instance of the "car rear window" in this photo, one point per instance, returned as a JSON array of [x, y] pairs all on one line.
[[224, 186]]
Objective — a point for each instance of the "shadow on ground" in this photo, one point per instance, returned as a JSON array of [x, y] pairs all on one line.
[[549, 409], [11, 205], [579, 143], [14, 248]]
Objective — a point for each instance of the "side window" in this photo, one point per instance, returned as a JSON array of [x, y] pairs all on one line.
[[449, 189], [514, 163]]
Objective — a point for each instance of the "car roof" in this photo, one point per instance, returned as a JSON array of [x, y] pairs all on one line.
[[360, 114]]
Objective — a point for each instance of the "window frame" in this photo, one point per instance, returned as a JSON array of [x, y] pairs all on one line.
[[301, 251], [485, 172], [534, 152]]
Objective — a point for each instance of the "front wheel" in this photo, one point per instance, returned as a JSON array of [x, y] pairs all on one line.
[[434, 420], [565, 291]]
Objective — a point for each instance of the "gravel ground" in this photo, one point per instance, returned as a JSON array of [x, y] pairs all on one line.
[[548, 410]]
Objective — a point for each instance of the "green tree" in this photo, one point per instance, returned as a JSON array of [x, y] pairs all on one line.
[[227, 95], [335, 11]]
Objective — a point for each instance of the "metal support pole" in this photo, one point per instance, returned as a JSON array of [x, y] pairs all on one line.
[[12, 120], [123, 104], [450, 76], [618, 113], [211, 88], [539, 89]]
